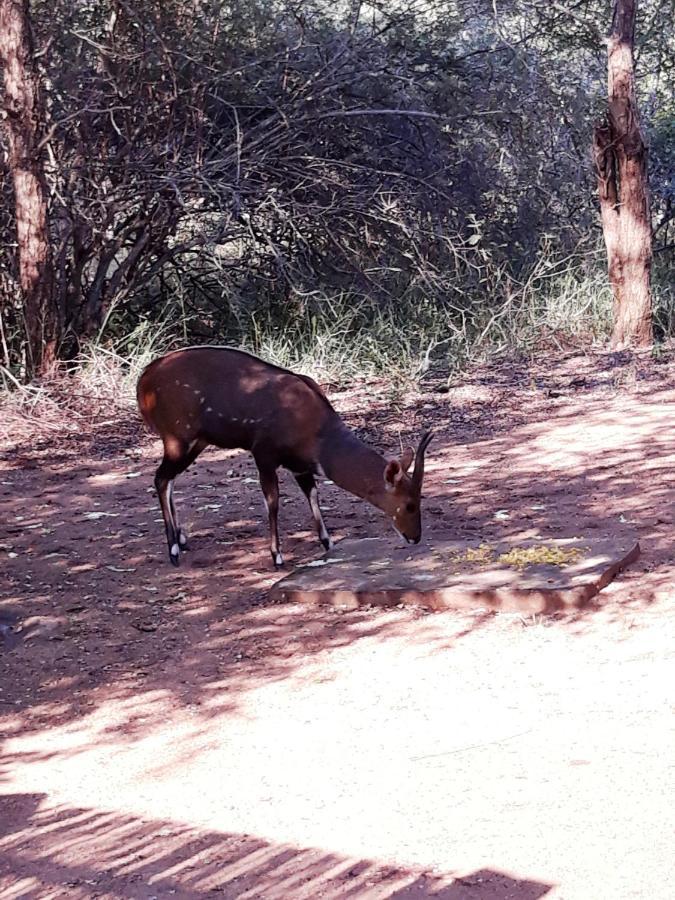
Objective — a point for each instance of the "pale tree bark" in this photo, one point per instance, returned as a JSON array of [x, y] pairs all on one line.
[[24, 122], [621, 168]]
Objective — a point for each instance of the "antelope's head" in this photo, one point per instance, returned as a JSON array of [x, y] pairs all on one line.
[[403, 491]]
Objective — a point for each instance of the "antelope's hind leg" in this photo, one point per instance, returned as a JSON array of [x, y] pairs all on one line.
[[177, 457], [181, 533], [308, 487]]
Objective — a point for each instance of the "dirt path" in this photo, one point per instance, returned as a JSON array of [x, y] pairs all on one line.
[[171, 734]]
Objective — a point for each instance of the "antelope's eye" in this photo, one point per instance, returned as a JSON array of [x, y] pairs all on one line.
[[410, 507]]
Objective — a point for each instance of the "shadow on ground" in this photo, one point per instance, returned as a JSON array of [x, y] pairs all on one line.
[[113, 855], [92, 611]]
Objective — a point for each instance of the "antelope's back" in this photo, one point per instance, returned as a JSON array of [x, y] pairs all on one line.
[[231, 398]]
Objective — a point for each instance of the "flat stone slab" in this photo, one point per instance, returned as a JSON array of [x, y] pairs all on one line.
[[534, 576]]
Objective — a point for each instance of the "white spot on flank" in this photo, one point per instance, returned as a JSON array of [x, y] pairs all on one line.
[[197, 393], [175, 549], [209, 409], [182, 540], [185, 384]]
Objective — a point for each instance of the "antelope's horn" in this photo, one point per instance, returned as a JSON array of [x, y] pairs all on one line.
[[418, 471]]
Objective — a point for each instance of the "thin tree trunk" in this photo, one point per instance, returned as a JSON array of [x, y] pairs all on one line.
[[24, 124], [621, 168]]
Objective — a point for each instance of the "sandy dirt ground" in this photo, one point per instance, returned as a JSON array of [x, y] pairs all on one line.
[[171, 733]]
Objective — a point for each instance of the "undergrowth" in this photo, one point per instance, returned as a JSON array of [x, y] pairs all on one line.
[[338, 339], [345, 337]]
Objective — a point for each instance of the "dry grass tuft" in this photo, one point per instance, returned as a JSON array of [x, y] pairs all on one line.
[[94, 392]]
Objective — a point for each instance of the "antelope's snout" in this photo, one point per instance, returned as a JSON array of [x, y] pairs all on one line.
[[407, 522]]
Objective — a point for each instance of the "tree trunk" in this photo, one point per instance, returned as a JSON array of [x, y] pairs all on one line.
[[24, 123], [621, 167]]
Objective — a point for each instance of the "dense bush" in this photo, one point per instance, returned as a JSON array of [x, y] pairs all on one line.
[[245, 167]]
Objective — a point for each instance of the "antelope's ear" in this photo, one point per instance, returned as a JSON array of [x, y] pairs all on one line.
[[393, 475], [406, 458]]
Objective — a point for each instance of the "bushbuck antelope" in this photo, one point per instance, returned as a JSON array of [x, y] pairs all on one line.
[[217, 395]]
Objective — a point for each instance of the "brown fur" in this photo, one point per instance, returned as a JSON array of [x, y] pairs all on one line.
[[232, 399]]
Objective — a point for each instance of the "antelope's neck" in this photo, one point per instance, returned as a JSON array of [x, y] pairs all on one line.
[[352, 465]]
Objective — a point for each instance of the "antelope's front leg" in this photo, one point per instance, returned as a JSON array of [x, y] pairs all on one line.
[[308, 487], [270, 488]]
